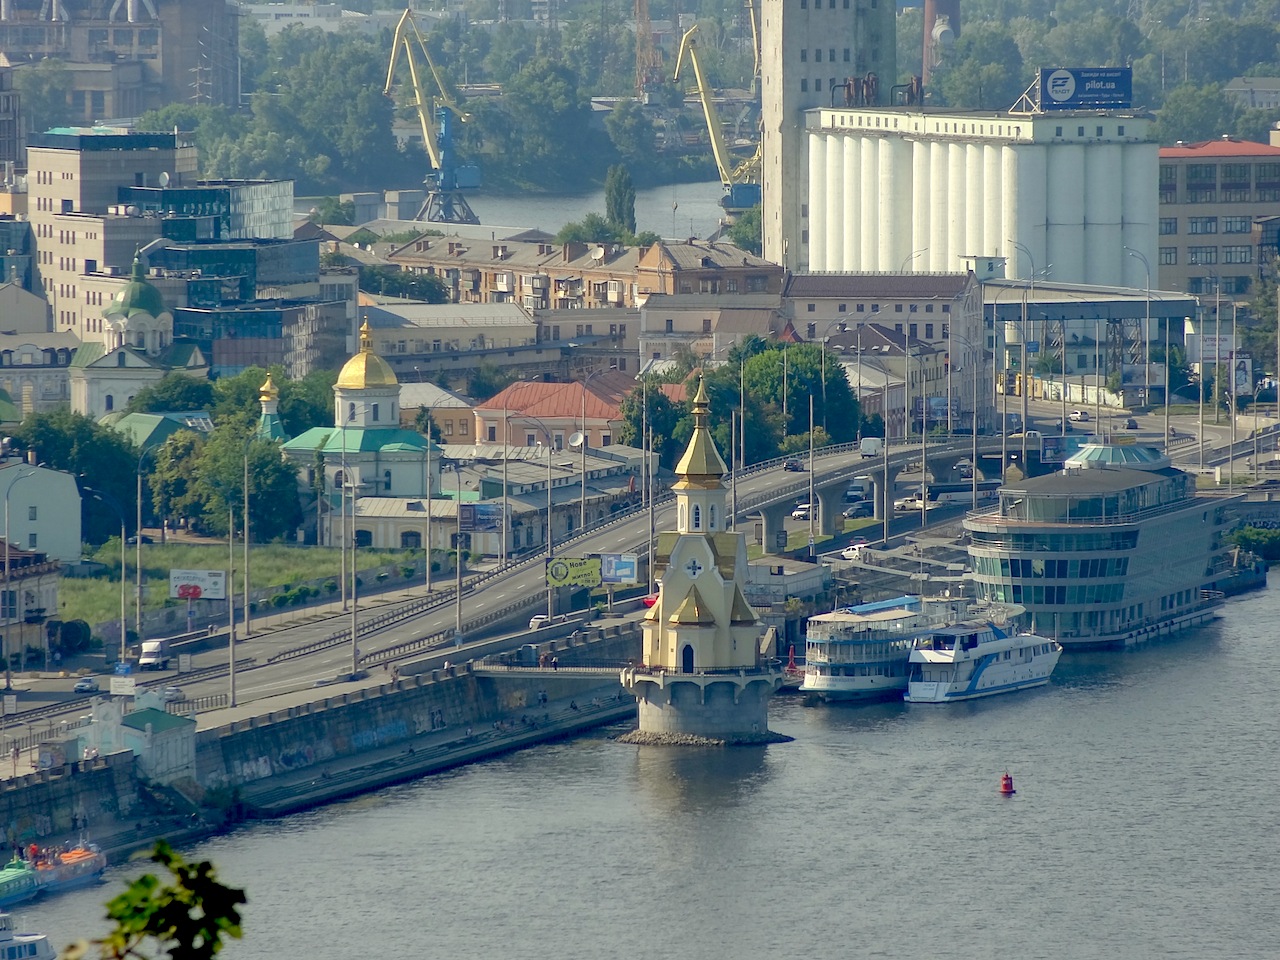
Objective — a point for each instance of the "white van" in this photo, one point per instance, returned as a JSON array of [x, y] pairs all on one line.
[[871, 446]]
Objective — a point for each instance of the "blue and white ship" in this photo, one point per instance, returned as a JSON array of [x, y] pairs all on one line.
[[977, 659]]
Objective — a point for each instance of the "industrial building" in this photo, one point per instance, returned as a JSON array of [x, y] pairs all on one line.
[[1066, 195]]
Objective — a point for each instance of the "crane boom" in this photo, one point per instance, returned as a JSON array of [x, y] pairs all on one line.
[[689, 52], [423, 104]]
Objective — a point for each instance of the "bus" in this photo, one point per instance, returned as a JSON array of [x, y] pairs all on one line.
[[949, 495]]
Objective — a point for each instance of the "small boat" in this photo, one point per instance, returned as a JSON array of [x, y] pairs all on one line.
[[59, 870], [18, 883], [977, 659], [29, 946]]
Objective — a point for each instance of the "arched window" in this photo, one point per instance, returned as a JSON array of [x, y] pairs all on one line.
[[351, 412], [339, 480], [697, 517], [681, 523], [375, 412], [386, 479], [712, 518], [111, 402]]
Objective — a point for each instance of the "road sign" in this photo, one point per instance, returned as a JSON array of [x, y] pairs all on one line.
[[123, 669], [197, 585], [124, 687], [10, 703], [780, 539], [1033, 346]]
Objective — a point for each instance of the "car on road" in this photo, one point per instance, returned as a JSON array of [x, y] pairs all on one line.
[[802, 511], [172, 695], [1078, 416], [1062, 426], [133, 541], [538, 621], [863, 508], [1131, 424], [793, 466], [86, 685]]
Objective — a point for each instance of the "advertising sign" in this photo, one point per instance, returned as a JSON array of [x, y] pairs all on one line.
[[619, 568], [1086, 88], [1057, 449], [197, 585], [1241, 375], [124, 687], [1207, 348], [480, 517], [573, 572], [937, 408]]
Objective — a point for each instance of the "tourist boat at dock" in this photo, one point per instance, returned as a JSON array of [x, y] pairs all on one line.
[[29, 946], [862, 652], [59, 870], [966, 661], [18, 883]]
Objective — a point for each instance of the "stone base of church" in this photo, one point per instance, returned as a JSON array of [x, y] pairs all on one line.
[[647, 739], [727, 710]]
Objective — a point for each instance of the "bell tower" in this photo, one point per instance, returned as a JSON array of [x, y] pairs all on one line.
[[706, 675]]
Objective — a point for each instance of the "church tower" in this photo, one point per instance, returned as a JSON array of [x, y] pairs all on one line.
[[705, 675]]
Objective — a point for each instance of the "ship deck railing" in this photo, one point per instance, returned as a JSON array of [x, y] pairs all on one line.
[[993, 515]]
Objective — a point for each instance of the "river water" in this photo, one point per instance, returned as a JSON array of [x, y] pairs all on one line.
[[1144, 826]]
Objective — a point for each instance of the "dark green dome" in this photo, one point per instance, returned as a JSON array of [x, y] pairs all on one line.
[[137, 296]]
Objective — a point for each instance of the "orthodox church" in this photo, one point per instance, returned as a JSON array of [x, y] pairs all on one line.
[[367, 448], [708, 669], [137, 350]]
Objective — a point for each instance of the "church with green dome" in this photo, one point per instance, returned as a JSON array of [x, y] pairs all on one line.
[[137, 350]]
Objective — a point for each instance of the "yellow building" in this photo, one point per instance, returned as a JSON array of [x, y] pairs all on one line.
[[707, 671]]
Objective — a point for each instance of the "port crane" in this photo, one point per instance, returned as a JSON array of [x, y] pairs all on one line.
[[741, 179], [445, 202]]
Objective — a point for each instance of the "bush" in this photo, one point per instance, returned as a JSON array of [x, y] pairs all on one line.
[[280, 600], [407, 572]]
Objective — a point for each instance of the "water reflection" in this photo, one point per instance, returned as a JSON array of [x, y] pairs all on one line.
[[680, 780]]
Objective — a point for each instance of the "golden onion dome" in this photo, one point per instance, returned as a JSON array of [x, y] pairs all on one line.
[[366, 368], [268, 391]]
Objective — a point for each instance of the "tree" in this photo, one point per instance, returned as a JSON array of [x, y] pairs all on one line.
[[335, 211], [487, 380], [75, 443], [391, 281], [620, 199], [191, 917], [175, 392], [237, 396], [592, 228], [43, 87], [175, 479], [306, 403], [1194, 113], [631, 131], [274, 508], [747, 231]]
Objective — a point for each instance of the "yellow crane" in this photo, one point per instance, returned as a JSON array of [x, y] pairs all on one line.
[[740, 190], [445, 203]]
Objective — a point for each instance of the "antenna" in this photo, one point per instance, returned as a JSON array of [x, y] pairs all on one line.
[[577, 439]]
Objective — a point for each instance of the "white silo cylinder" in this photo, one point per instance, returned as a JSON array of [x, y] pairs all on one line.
[[835, 202], [1104, 253], [920, 200], [1140, 219], [957, 211], [870, 170], [852, 243], [895, 213], [1066, 213], [975, 208], [817, 202], [993, 195], [1025, 202], [936, 196]]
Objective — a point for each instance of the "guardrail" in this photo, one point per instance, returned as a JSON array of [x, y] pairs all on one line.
[[197, 704]]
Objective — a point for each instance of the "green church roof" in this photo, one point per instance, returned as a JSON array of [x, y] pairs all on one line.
[[137, 296]]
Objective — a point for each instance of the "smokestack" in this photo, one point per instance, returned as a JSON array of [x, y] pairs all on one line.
[[941, 27]]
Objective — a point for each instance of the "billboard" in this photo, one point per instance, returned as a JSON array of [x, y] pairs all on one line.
[[619, 568], [1057, 449], [573, 572], [480, 517], [197, 585], [1209, 348], [937, 408], [1241, 375], [1086, 88]]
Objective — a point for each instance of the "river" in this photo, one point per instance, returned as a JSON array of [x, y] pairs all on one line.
[[1144, 827]]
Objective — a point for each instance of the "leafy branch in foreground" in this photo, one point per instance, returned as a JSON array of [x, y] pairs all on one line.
[[189, 918]]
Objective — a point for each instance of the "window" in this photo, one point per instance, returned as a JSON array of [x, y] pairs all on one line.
[[1237, 254], [817, 84], [448, 428], [804, 55], [351, 412], [928, 331], [493, 434], [1200, 256], [1168, 256], [31, 513], [697, 517], [928, 308], [1198, 225], [712, 516], [804, 86], [1168, 183], [817, 55], [1237, 224], [1057, 131], [946, 308], [842, 308], [31, 541], [9, 604], [706, 325], [375, 411], [914, 330], [670, 326], [915, 308], [846, 49], [897, 308], [463, 429], [386, 479], [1168, 226], [109, 403]]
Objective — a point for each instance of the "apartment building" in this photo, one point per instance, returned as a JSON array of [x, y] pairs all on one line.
[[1210, 195]]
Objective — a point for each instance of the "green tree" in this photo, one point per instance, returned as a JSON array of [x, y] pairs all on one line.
[[620, 199], [747, 231], [1193, 113], [631, 132], [592, 228], [174, 481], [335, 211], [175, 392], [390, 281], [663, 416], [274, 508], [43, 87], [75, 443], [236, 397], [983, 69], [191, 917], [306, 403], [487, 380]]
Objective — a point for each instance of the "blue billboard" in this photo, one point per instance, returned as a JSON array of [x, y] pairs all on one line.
[[619, 568], [480, 517], [1086, 88]]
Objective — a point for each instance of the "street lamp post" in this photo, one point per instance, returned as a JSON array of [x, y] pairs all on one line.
[[11, 603], [114, 504], [550, 541], [582, 502], [426, 491]]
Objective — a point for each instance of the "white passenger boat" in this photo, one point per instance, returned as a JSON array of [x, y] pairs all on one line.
[[977, 659], [861, 652], [28, 946]]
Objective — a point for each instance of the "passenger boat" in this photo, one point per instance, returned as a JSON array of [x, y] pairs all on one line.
[[29, 946], [861, 652], [17, 883], [977, 659], [80, 866]]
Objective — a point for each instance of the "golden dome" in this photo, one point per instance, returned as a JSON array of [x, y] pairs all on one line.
[[268, 391], [366, 368], [701, 466]]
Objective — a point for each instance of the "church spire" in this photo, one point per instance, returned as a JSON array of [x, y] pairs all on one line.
[[701, 467]]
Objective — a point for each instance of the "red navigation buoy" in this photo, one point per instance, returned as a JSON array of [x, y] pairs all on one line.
[[791, 660], [1006, 785]]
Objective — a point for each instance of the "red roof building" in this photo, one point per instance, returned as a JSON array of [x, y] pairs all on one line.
[[525, 413]]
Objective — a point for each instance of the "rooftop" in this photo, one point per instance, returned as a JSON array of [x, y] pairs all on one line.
[[887, 285], [1225, 147]]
